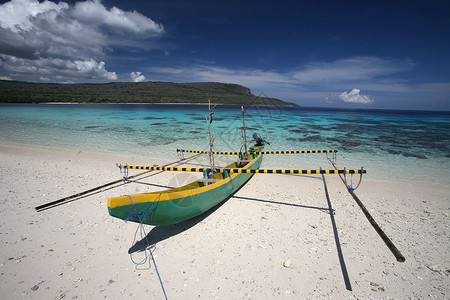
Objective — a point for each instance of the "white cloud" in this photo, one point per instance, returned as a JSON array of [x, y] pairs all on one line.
[[137, 77], [64, 42], [60, 70], [350, 69], [95, 14], [19, 15], [355, 97], [94, 69]]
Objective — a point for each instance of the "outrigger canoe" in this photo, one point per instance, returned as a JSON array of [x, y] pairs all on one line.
[[187, 201]]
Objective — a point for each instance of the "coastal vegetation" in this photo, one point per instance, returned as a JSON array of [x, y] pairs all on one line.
[[130, 92]]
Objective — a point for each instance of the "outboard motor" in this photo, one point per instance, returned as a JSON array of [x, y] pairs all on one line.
[[259, 140]]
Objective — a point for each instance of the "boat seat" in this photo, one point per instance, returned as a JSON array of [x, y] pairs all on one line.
[[209, 180], [244, 160]]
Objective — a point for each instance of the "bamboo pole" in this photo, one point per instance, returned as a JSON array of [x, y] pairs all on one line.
[[61, 201], [384, 237], [378, 229]]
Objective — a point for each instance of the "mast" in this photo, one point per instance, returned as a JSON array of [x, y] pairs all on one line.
[[211, 137], [244, 135]]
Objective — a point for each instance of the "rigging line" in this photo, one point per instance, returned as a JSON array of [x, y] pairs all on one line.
[[151, 184], [156, 268], [323, 209]]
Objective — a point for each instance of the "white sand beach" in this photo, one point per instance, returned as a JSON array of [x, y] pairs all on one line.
[[274, 239]]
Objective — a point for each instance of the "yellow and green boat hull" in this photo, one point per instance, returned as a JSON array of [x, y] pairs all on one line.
[[185, 202]]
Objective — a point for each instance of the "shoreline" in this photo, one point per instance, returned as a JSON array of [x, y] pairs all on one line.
[[272, 239], [375, 172]]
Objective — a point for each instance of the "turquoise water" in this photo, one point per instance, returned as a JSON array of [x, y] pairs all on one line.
[[405, 145]]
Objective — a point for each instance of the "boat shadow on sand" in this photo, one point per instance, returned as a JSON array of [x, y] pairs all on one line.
[[161, 233]]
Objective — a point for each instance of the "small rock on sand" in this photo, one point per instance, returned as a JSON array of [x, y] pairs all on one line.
[[287, 263], [35, 288]]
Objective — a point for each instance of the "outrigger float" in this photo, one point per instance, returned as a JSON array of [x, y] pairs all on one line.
[[218, 184]]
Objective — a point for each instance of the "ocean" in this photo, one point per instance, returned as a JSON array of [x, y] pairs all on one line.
[[389, 144]]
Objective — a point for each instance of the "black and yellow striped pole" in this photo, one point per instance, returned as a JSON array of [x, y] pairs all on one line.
[[251, 171], [263, 152]]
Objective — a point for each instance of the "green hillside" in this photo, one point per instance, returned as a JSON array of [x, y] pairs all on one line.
[[127, 92]]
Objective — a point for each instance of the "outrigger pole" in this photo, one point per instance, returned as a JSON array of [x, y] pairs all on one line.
[[384, 237], [263, 152], [61, 201], [252, 171]]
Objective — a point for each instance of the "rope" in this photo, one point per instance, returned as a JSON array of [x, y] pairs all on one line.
[[344, 178], [124, 172], [350, 186], [360, 179], [241, 153], [133, 215], [334, 159], [180, 154]]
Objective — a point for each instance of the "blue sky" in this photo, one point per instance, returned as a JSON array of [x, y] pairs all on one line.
[[350, 54]]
